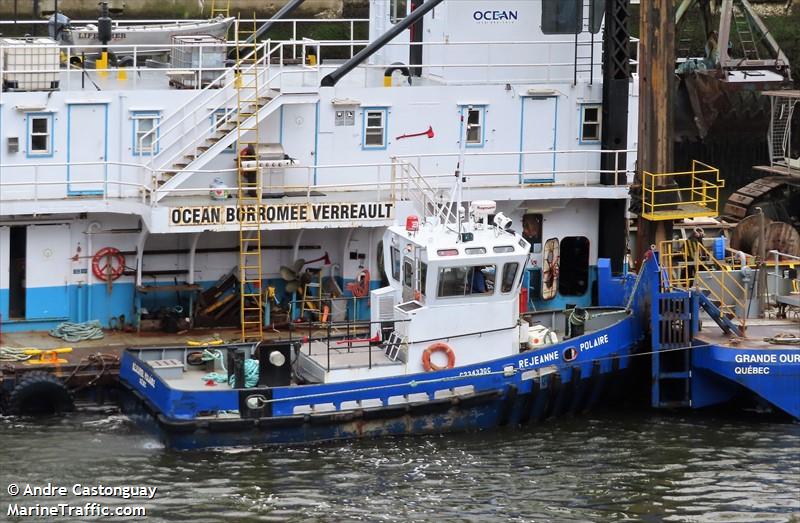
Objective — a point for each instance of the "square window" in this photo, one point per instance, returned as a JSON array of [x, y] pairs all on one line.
[[399, 8], [39, 135], [39, 125], [375, 128], [219, 118], [474, 126], [591, 117], [145, 133], [562, 16], [38, 143]]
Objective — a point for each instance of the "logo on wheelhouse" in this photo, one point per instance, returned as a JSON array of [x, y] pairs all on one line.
[[490, 15]]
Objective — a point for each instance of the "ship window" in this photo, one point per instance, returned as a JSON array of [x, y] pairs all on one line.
[[219, 118], [574, 266], [395, 254], [145, 142], [597, 11], [399, 9], [408, 273], [561, 16], [509, 276], [40, 139], [475, 250], [504, 248], [374, 129], [591, 116], [466, 281], [532, 231], [474, 117], [423, 277]]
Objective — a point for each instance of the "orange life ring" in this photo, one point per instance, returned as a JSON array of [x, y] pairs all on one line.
[[438, 347], [108, 264]]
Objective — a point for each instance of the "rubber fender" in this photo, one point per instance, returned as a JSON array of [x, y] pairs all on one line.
[[38, 393]]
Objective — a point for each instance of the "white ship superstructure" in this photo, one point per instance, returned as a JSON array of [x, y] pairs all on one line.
[[143, 159]]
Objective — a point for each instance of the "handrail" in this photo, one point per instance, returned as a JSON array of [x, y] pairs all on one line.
[[777, 275], [196, 136], [154, 133], [698, 258], [661, 202]]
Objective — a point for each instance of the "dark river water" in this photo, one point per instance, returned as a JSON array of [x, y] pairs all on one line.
[[606, 467]]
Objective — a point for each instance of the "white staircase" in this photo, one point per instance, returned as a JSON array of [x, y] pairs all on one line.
[[428, 200], [190, 137]]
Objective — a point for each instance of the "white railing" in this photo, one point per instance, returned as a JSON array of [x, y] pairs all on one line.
[[555, 61], [172, 136], [35, 182], [400, 178], [416, 177], [491, 169]]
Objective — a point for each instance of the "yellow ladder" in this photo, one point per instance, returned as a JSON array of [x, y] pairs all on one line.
[[220, 8], [249, 183], [313, 303]]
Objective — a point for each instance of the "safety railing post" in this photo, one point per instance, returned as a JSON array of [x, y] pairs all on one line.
[[352, 38], [328, 337]]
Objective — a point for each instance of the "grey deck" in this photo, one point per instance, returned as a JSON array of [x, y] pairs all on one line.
[[756, 330], [313, 364], [792, 300], [193, 380]]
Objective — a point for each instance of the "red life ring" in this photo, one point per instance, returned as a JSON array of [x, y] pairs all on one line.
[[108, 264], [438, 347]]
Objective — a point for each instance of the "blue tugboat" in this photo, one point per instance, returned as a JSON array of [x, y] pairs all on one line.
[[446, 349]]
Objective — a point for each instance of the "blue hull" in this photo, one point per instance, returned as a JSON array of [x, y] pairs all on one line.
[[549, 397], [721, 373], [515, 390]]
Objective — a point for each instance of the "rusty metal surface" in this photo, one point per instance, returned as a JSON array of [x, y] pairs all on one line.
[[707, 105], [738, 204], [781, 237], [746, 232]]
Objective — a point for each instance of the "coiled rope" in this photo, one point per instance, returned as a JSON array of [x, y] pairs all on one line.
[[73, 332], [784, 338], [13, 354], [250, 371]]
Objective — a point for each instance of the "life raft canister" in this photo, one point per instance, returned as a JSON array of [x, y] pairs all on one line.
[[438, 347]]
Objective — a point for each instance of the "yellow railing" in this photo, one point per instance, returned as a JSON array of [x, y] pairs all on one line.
[[688, 264], [679, 195]]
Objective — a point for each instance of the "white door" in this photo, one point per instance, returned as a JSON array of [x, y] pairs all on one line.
[[537, 159], [47, 265], [87, 143]]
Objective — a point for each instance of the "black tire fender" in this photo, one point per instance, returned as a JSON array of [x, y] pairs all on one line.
[[38, 393]]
